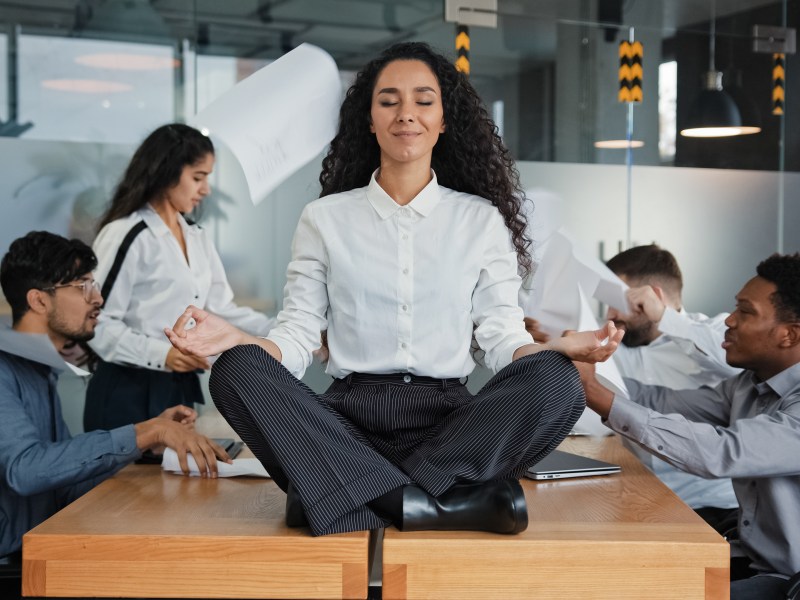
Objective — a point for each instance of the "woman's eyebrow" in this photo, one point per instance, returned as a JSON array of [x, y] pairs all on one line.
[[424, 88]]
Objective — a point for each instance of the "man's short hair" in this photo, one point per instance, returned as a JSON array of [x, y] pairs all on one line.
[[783, 270], [649, 264], [41, 260]]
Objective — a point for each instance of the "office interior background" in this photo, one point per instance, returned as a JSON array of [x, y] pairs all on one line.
[[83, 81]]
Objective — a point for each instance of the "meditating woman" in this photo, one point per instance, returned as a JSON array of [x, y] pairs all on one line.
[[414, 250]]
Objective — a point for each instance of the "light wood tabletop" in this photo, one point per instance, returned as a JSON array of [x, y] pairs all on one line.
[[149, 534], [614, 536]]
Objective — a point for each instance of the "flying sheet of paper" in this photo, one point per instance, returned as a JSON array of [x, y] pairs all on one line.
[[278, 118], [35, 347], [607, 372], [241, 467], [550, 297]]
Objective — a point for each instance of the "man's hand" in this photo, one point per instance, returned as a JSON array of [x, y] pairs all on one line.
[[648, 301], [532, 327], [164, 430], [180, 413], [184, 363]]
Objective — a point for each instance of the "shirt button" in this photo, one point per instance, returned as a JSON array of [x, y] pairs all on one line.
[[746, 523], [661, 447], [196, 296], [405, 236], [405, 271], [403, 345], [624, 428], [148, 363], [405, 306], [407, 378]]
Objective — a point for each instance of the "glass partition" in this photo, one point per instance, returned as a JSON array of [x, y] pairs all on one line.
[[82, 82]]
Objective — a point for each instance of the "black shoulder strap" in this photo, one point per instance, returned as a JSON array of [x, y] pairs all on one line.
[[120, 258]]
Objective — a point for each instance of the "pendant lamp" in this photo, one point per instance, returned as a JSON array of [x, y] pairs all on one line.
[[714, 113]]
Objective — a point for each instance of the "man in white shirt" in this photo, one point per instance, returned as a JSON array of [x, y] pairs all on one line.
[[665, 345]]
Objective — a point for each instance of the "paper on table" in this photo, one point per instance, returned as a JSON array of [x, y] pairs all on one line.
[[248, 467], [36, 347], [278, 118]]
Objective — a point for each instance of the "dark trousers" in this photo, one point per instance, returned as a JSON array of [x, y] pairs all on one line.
[[369, 434], [118, 395]]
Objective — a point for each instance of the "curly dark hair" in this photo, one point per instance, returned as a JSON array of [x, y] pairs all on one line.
[[40, 260], [784, 271], [156, 166], [469, 156]]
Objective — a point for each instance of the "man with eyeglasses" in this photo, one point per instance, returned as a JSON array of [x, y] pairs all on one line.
[[47, 281]]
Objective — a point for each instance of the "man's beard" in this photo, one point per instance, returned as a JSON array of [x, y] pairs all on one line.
[[61, 328], [639, 336]]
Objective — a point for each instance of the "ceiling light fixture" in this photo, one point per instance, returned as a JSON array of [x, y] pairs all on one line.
[[618, 144], [127, 62], [714, 113], [86, 86]]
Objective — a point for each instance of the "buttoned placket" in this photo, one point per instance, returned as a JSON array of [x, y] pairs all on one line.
[[764, 399], [405, 220]]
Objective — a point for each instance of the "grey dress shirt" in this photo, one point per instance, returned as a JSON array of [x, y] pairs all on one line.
[[43, 467], [743, 429]]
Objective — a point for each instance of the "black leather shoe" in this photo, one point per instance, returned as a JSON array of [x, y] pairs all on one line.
[[497, 506], [295, 517]]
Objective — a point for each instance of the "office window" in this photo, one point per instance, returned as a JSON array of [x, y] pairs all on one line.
[[667, 109]]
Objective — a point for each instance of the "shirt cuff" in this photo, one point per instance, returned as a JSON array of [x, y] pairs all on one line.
[[123, 441], [291, 356], [502, 356], [157, 351], [628, 418]]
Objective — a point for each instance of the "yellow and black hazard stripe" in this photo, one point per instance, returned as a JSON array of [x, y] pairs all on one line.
[[778, 83], [462, 48], [630, 71]]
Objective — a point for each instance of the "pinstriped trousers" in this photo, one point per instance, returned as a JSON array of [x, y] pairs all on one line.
[[366, 436]]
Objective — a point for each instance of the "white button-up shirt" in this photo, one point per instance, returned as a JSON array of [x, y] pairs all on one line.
[[155, 285], [401, 288]]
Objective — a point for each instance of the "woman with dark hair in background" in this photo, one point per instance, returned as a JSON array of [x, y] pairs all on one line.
[[152, 262], [415, 248]]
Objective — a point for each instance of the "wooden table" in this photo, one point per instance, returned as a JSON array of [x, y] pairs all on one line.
[[615, 536], [145, 533], [148, 534]]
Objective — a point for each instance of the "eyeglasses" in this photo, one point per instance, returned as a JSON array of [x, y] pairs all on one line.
[[90, 286]]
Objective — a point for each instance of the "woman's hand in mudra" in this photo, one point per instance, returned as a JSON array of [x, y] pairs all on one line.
[[200, 333], [588, 346]]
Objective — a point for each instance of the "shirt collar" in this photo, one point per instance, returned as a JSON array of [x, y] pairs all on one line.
[[156, 224], [423, 203], [783, 383]]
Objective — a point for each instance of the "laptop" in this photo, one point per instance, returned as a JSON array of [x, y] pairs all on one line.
[[563, 465], [231, 446]]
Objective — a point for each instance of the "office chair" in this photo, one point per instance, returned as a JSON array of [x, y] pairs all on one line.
[[793, 589]]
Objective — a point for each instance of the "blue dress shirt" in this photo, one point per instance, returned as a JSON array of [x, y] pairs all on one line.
[[43, 467]]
